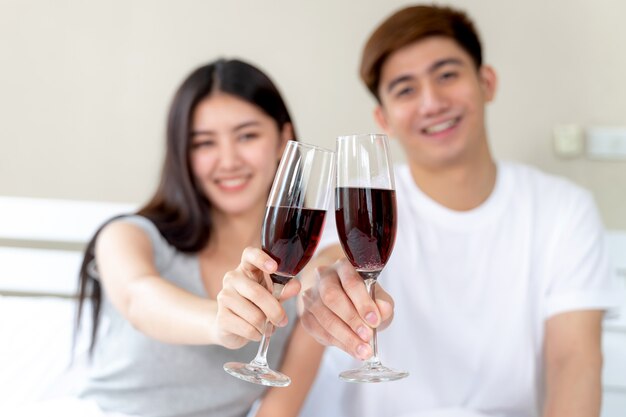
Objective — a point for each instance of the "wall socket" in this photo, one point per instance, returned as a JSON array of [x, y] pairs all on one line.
[[568, 140], [606, 142]]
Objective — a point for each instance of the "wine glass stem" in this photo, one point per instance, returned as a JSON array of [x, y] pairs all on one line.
[[370, 284], [261, 356]]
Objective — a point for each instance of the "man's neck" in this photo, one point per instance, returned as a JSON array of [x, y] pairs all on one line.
[[462, 187]]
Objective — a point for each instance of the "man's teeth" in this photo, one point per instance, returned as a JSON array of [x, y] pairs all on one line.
[[235, 182], [440, 127]]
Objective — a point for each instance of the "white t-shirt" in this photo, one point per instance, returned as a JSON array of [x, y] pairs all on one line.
[[472, 291]]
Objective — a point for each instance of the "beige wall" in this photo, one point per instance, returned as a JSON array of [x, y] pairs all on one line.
[[84, 85]]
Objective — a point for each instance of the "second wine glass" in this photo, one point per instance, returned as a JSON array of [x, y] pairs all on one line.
[[293, 223], [365, 213]]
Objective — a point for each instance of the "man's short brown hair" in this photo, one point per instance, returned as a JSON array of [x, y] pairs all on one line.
[[412, 24]]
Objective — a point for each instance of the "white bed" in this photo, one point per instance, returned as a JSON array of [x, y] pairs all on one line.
[[41, 243]]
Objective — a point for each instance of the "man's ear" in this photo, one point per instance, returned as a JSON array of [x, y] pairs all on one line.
[[488, 81], [381, 119]]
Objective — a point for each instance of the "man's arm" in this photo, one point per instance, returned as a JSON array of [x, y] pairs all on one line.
[[573, 364]]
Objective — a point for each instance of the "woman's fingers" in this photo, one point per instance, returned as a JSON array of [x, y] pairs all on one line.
[[255, 262], [244, 303], [243, 291]]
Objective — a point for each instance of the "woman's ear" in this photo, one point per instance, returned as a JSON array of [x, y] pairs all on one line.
[[286, 134]]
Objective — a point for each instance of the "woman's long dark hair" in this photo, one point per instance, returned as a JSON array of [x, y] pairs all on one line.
[[179, 208]]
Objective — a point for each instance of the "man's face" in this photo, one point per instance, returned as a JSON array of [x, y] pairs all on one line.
[[433, 101]]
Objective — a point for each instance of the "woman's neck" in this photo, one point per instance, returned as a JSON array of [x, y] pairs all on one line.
[[232, 233]]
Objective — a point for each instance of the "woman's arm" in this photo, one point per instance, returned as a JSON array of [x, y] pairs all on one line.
[[150, 303], [170, 314], [301, 362]]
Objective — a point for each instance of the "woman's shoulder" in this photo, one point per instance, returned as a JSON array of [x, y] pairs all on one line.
[[127, 226], [140, 230]]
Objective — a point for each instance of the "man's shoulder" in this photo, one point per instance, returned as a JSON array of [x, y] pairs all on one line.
[[542, 183]]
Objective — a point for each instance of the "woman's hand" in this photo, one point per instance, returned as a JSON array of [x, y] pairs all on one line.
[[246, 300]]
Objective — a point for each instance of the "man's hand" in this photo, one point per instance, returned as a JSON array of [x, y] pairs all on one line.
[[338, 311]]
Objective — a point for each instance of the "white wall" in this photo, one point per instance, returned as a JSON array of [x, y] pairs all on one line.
[[84, 84]]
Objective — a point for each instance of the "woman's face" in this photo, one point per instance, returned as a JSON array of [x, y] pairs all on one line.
[[235, 149]]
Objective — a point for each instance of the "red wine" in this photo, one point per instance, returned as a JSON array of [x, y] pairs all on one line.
[[366, 224], [290, 236]]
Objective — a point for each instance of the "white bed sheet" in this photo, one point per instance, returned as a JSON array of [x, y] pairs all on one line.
[[35, 350]]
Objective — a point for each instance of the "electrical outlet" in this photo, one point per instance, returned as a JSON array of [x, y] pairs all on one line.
[[606, 142], [568, 140]]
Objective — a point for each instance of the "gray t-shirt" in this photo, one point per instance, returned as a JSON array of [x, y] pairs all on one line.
[[135, 374]]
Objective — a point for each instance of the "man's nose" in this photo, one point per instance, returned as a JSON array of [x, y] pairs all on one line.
[[432, 100]]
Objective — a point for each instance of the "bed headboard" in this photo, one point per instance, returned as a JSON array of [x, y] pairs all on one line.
[[41, 242]]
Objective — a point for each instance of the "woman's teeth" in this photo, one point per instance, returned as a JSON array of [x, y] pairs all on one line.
[[231, 183]]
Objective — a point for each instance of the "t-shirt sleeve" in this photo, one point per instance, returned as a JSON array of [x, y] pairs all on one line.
[[580, 277], [161, 250]]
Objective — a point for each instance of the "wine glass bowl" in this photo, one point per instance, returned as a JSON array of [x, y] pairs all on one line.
[[365, 214], [292, 226]]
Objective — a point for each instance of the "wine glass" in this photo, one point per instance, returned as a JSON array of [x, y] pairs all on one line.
[[293, 223], [365, 212]]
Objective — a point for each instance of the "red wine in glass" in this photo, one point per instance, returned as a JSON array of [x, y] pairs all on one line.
[[365, 213], [290, 236], [366, 224]]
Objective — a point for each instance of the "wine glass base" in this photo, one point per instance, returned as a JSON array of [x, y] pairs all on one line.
[[257, 374], [372, 373]]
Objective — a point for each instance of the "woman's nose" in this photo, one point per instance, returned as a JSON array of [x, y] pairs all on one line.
[[229, 155]]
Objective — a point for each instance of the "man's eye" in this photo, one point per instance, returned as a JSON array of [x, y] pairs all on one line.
[[404, 91]]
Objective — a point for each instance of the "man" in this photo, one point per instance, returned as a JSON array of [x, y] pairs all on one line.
[[499, 275]]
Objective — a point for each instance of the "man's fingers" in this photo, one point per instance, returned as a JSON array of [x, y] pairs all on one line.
[[334, 298], [356, 291], [385, 307], [329, 329]]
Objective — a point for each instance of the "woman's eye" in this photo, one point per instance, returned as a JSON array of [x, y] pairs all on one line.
[[202, 144], [450, 75], [245, 137]]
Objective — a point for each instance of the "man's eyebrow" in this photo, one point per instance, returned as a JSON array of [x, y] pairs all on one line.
[[443, 62], [434, 67], [401, 79]]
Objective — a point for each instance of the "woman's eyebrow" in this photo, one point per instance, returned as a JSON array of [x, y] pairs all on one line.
[[247, 124]]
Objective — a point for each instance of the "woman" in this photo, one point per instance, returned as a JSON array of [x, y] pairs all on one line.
[[169, 301]]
